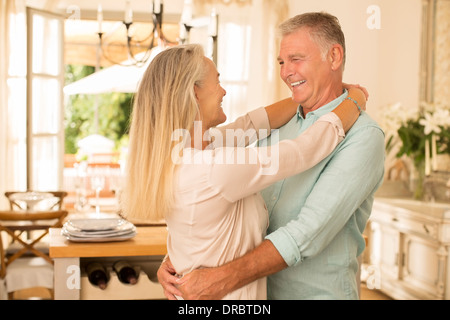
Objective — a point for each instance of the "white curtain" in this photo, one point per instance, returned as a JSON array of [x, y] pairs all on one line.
[[12, 97], [248, 69]]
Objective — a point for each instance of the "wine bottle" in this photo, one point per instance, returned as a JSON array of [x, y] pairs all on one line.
[[125, 272], [97, 274]]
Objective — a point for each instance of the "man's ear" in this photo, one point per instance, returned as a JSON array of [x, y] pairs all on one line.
[[336, 56]]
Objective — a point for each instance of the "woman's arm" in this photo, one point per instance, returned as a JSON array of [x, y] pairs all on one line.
[[275, 115], [279, 113], [348, 111]]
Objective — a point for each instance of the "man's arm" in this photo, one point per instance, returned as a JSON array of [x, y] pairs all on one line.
[[215, 283], [168, 279]]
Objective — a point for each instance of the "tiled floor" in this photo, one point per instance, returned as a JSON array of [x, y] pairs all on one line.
[[33, 293], [366, 294], [370, 294]]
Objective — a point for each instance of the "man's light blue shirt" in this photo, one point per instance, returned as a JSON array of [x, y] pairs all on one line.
[[317, 217]]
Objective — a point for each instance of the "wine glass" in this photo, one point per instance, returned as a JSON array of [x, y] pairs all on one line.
[[81, 203], [115, 180], [97, 183]]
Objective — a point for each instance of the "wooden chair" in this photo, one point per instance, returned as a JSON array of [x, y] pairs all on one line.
[[53, 203], [15, 204], [18, 265]]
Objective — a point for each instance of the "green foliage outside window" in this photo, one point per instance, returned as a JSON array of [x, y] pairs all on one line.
[[113, 113]]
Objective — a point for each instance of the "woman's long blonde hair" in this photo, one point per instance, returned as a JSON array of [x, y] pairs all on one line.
[[164, 102]]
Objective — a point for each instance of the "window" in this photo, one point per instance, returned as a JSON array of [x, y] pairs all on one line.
[[45, 78]]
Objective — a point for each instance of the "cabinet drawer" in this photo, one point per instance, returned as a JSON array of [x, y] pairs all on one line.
[[417, 226], [424, 228]]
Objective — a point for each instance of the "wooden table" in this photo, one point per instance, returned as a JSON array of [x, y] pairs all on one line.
[[149, 242]]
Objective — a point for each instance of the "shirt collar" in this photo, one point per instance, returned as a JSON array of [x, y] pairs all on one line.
[[330, 106]]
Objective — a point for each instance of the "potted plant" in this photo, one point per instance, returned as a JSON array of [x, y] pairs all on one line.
[[421, 135]]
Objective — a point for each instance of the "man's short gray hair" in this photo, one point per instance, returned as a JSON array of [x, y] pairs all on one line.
[[325, 29]]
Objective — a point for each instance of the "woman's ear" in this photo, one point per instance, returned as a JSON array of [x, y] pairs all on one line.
[[196, 91]]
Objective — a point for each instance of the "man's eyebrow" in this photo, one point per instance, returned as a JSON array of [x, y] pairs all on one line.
[[293, 55], [297, 55]]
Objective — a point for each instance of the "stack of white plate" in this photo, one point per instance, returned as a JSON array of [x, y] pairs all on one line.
[[98, 230]]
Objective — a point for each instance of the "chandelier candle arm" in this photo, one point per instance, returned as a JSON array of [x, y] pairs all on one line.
[[213, 24], [157, 4], [127, 26], [128, 19], [186, 14], [100, 18]]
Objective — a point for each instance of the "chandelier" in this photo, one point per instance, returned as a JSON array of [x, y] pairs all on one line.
[[156, 37]]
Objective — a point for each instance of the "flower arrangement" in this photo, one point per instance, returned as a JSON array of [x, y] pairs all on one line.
[[420, 135]]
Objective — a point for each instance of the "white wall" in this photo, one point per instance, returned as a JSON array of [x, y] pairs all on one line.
[[385, 60]]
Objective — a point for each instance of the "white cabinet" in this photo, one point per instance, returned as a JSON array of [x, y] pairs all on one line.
[[409, 242]]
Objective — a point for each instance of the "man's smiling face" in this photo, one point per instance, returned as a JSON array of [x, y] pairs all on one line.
[[304, 69]]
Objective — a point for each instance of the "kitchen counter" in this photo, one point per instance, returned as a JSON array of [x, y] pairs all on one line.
[[148, 244], [149, 241], [436, 210]]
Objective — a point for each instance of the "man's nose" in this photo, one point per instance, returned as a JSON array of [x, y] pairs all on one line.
[[286, 72]]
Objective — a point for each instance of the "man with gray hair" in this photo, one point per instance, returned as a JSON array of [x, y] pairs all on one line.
[[317, 217]]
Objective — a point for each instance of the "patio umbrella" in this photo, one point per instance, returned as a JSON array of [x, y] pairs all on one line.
[[117, 78], [96, 143]]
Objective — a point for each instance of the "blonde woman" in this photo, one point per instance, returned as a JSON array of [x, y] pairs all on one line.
[[203, 185]]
